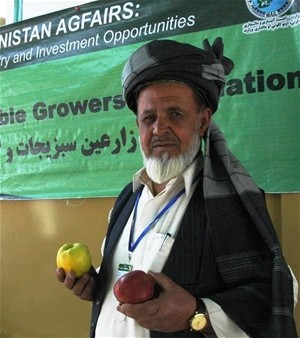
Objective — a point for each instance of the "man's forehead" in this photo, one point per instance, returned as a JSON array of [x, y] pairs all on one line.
[[150, 100], [166, 89]]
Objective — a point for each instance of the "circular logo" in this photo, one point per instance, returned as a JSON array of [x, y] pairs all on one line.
[[269, 8]]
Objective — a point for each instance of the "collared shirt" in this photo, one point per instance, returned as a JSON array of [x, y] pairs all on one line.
[[149, 256]]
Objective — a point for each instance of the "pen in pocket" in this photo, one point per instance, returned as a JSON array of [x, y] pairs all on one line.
[[165, 238]]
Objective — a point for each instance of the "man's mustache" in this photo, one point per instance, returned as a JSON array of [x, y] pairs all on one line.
[[163, 139]]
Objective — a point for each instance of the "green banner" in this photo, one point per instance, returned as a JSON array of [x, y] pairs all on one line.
[[65, 131]]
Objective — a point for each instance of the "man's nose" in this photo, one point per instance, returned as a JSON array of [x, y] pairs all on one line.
[[160, 126]]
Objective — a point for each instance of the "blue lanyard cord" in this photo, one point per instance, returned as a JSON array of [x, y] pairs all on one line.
[[132, 245]]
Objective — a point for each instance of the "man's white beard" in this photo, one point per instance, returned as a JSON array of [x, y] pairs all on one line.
[[164, 168]]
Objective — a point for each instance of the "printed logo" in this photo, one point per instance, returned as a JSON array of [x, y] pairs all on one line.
[[269, 8]]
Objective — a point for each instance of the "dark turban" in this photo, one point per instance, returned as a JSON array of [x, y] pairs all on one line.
[[203, 70]]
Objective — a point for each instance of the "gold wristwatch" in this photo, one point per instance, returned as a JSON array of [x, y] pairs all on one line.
[[199, 321]]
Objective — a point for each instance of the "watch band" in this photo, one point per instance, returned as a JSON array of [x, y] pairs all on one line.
[[201, 308]]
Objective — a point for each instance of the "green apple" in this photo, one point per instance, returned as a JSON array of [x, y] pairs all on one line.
[[74, 256]]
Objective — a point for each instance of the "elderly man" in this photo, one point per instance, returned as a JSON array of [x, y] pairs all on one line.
[[194, 219]]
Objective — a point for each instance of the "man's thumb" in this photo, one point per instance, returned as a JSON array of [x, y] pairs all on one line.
[[162, 280]]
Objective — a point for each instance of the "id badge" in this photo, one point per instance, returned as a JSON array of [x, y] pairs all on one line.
[[123, 268]]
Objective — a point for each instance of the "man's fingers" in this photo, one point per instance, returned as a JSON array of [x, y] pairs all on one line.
[[70, 279], [60, 274], [87, 292]]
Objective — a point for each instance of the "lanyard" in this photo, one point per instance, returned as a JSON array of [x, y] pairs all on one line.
[[132, 245]]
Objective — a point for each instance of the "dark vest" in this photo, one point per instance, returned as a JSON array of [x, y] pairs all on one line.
[[185, 265]]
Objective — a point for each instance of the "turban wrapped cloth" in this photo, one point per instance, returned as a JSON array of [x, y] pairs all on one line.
[[203, 70]]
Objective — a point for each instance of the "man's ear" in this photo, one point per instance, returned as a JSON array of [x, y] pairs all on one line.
[[205, 117]]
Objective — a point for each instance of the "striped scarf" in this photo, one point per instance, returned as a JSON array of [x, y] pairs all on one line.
[[227, 186]]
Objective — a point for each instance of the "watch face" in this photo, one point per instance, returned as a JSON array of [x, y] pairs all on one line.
[[198, 322]]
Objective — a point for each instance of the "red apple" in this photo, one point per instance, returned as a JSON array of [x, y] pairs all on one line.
[[134, 287]]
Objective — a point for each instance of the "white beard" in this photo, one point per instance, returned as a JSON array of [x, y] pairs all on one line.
[[164, 168]]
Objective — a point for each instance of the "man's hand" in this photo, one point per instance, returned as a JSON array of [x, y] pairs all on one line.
[[170, 312], [82, 287]]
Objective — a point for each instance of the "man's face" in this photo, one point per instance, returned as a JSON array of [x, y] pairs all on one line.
[[168, 116]]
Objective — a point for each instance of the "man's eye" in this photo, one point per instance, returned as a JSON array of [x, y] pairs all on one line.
[[149, 118], [175, 114]]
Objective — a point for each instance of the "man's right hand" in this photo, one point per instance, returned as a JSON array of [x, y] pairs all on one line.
[[82, 287]]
